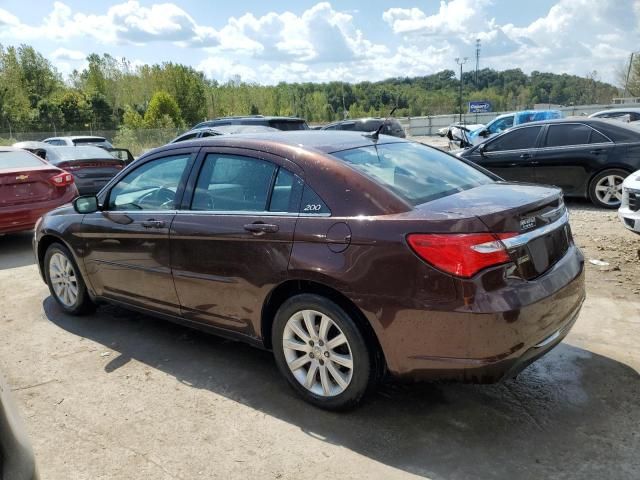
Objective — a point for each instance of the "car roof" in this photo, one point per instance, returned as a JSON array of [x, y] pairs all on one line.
[[285, 142], [616, 110], [257, 117], [32, 144], [78, 137]]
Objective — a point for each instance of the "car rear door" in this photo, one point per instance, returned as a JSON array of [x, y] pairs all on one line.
[[232, 238], [127, 242], [570, 153], [511, 155]]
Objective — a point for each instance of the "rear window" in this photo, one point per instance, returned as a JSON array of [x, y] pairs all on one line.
[[288, 125], [415, 172], [18, 159], [65, 154]]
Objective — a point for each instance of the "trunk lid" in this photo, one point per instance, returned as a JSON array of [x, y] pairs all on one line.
[[27, 185], [535, 215]]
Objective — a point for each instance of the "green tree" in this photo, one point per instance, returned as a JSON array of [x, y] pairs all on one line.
[[162, 109]]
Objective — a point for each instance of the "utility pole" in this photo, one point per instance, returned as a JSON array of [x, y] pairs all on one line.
[[626, 84], [461, 61], [477, 60]]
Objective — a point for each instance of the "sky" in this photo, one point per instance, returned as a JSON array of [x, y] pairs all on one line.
[[272, 41]]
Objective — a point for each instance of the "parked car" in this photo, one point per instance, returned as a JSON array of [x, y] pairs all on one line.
[[17, 461], [92, 167], [29, 188], [78, 140], [279, 123], [391, 127], [37, 148], [221, 130], [345, 254], [508, 120], [587, 158], [627, 115], [629, 211]]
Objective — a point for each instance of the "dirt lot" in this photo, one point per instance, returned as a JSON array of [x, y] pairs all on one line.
[[120, 395]]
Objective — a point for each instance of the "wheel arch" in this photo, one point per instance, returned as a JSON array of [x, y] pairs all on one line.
[[44, 243], [289, 288]]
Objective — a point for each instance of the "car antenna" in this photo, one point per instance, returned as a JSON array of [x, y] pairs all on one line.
[[376, 133]]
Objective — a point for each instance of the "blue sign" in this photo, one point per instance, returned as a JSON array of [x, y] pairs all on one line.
[[479, 107]]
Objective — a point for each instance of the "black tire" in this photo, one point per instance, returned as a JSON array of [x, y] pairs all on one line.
[[593, 185], [363, 376], [83, 303]]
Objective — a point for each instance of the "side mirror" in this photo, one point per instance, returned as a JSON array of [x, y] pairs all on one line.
[[481, 150], [86, 204], [484, 133]]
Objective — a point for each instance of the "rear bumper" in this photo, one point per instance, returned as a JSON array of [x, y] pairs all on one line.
[[630, 219], [24, 217], [496, 335], [90, 186]]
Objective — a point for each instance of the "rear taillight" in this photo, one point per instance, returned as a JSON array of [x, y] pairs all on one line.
[[62, 179], [461, 254]]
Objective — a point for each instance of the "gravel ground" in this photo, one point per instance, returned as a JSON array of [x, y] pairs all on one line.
[[119, 395]]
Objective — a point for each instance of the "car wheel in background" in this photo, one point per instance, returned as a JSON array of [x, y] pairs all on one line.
[[321, 352], [605, 189], [65, 281]]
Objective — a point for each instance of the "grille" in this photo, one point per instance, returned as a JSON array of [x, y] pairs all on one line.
[[634, 200]]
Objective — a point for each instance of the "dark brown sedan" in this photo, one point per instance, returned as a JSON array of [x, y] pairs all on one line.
[[348, 256]]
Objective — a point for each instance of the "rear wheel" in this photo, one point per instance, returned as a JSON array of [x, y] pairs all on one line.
[[605, 190], [65, 282], [321, 352]]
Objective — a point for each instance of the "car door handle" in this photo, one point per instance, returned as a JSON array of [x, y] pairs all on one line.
[[260, 228], [152, 223], [597, 151], [525, 155]]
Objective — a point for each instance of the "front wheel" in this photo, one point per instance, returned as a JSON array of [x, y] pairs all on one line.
[[321, 352], [605, 190], [65, 282]]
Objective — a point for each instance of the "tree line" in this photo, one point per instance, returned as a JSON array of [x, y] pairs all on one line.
[[113, 94]]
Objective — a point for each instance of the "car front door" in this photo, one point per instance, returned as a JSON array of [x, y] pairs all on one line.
[[571, 153], [511, 155], [127, 242], [232, 238]]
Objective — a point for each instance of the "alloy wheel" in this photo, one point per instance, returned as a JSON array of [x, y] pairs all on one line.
[[609, 190], [63, 279], [317, 353]]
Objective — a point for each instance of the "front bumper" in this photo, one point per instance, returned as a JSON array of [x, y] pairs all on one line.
[[630, 219]]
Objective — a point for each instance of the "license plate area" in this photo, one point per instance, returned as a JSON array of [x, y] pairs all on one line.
[[541, 253]]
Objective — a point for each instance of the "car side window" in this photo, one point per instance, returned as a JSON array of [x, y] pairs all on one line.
[[565, 135], [152, 186], [519, 139], [597, 137], [312, 204], [286, 193], [233, 183], [501, 125]]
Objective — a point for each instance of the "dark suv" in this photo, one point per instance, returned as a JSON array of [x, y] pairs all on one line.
[[280, 123], [392, 126]]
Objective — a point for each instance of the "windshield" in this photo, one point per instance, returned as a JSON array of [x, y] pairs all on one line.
[[18, 159], [413, 171], [66, 154]]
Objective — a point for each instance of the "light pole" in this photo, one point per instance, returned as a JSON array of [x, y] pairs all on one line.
[[461, 62]]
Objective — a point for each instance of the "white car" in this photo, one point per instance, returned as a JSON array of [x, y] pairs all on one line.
[[629, 211], [627, 115]]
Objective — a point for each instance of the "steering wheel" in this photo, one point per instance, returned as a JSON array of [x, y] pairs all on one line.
[[160, 198]]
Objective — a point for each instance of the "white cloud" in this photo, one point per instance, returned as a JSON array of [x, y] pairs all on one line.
[[127, 22], [575, 36], [66, 54], [320, 34]]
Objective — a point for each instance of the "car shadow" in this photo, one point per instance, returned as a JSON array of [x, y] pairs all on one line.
[[16, 250], [573, 414]]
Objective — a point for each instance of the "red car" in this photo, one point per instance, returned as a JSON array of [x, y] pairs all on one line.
[[29, 188]]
